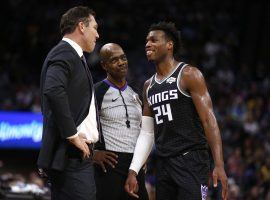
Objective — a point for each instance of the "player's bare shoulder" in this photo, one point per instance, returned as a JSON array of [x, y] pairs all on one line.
[[190, 73], [192, 77]]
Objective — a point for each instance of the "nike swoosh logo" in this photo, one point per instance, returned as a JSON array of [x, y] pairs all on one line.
[[113, 100], [185, 153]]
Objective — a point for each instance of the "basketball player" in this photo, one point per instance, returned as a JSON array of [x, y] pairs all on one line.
[[178, 109]]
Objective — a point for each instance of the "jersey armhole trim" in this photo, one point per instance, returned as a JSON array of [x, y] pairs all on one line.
[[178, 82], [147, 89]]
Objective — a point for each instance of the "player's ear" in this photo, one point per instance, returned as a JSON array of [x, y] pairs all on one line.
[[170, 45]]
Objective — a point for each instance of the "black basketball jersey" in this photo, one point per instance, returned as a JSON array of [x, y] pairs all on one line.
[[178, 128]]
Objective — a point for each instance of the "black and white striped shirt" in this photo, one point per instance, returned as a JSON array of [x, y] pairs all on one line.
[[113, 116]]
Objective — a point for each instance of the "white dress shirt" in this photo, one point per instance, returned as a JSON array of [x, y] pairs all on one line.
[[89, 124]]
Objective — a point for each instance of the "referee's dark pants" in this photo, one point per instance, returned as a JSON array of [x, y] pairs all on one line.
[[183, 177], [110, 185], [76, 182]]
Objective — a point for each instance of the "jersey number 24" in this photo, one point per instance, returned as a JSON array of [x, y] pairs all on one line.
[[161, 112]]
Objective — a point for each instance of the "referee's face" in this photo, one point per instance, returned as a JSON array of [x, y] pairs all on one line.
[[117, 64]]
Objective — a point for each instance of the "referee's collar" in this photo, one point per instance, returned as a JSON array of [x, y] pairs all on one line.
[[114, 86]]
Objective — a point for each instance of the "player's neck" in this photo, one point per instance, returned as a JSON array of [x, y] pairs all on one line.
[[119, 83], [165, 67]]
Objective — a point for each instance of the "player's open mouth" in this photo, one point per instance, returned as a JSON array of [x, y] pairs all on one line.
[[149, 52]]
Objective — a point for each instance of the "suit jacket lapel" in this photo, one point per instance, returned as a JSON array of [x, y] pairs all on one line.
[[88, 73]]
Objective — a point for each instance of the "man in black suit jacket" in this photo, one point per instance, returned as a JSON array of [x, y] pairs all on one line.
[[70, 124]]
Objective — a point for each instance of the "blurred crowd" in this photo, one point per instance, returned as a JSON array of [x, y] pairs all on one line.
[[18, 186], [212, 40]]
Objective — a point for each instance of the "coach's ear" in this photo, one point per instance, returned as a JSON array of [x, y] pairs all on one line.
[[81, 27]]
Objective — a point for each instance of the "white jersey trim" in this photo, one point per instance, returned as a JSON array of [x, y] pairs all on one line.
[[147, 89], [160, 82], [178, 82]]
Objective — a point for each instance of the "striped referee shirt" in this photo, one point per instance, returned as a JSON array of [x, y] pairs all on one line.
[[117, 136]]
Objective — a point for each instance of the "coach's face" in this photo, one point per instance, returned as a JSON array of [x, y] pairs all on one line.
[[90, 34], [156, 47]]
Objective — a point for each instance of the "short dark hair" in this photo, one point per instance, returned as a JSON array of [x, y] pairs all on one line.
[[171, 33], [73, 16]]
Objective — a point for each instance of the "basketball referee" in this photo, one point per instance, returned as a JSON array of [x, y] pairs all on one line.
[[178, 112], [120, 112]]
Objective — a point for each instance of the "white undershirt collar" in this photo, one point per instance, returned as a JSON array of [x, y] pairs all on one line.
[[75, 46]]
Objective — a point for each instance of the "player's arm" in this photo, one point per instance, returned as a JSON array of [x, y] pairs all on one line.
[[145, 140], [143, 146], [193, 81]]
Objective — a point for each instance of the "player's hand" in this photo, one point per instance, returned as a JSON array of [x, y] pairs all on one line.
[[105, 157], [131, 185], [219, 174], [81, 144]]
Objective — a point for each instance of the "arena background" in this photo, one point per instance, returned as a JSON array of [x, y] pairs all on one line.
[[227, 40]]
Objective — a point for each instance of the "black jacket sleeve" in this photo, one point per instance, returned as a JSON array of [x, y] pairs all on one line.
[[55, 88]]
